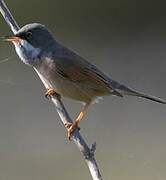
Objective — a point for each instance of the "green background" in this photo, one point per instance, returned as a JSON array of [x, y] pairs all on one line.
[[125, 38]]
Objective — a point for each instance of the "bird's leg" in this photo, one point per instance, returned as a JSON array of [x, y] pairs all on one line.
[[71, 127], [50, 92]]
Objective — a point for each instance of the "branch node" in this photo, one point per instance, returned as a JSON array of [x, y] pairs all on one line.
[[88, 155], [91, 152], [93, 148]]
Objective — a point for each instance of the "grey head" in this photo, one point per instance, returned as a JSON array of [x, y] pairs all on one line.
[[36, 34], [31, 41]]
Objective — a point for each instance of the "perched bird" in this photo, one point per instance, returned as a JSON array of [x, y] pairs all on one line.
[[66, 73]]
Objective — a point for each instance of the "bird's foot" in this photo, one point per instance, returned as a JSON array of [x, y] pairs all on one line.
[[71, 127], [50, 92]]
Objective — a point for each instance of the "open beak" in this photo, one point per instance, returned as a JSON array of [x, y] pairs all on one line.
[[13, 39]]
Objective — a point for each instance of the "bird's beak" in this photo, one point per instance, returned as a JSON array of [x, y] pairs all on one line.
[[13, 39]]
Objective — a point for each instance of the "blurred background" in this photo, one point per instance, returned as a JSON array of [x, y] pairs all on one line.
[[126, 39]]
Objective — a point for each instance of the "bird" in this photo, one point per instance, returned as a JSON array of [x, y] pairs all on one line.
[[66, 72]]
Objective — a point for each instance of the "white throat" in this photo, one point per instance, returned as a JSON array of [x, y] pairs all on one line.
[[27, 53]]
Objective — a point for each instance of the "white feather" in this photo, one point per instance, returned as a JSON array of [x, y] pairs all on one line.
[[26, 51]]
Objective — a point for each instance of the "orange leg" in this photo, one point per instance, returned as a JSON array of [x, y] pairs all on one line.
[[50, 92], [71, 127]]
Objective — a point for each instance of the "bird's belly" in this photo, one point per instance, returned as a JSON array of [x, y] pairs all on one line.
[[77, 91], [71, 90]]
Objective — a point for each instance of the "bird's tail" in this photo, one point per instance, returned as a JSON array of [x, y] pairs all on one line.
[[152, 98], [124, 90]]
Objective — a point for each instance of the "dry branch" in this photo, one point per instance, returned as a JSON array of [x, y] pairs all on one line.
[[88, 153]]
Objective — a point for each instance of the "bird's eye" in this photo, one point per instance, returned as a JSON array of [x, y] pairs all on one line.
[[29, 35]]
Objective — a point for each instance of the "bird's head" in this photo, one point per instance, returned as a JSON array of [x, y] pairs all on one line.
[[31, 41]]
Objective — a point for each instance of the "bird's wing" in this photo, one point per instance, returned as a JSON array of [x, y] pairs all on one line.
[[81, 71]]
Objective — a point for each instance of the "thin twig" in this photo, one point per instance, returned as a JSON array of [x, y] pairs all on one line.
[[8, 17], [88, 153]]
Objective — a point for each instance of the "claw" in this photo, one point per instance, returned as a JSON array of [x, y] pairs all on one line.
[[71, 127], [50, 92]]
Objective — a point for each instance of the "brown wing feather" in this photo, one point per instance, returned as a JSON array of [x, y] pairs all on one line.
[[85, 73]]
